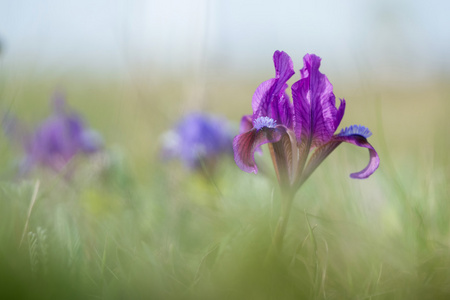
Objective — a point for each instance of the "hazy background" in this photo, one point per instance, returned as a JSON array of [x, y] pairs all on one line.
[[149, 62], [130, 225], [398, 40]]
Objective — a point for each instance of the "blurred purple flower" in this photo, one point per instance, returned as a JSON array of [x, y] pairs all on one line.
[[58, 139], [198, 138], [294, 130]]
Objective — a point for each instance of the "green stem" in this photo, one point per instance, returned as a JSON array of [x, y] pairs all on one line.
[[277, 241], [286, 204]]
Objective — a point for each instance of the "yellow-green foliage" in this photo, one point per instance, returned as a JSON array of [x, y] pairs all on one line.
[[127, 225]]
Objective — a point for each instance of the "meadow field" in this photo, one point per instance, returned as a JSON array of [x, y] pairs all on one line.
[[127, 224]]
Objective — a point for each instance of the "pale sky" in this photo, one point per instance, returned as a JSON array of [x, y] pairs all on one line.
[[404, 38]]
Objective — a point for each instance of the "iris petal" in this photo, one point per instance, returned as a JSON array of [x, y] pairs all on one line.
[[339, 113], [316, 116], [245, 145], [374, 161], [285, 111], [323, 151], [267, 95]]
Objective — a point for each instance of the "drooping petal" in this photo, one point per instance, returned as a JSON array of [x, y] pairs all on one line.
[[245, 145], [315, 113], [356, 135], [374, 161], [266, 97]]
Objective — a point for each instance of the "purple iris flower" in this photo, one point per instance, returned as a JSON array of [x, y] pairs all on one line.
[[58, 139], [301, 134], [198, 138]]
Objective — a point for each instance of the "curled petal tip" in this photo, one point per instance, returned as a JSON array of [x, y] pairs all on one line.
[[374, 160], [373, 165]]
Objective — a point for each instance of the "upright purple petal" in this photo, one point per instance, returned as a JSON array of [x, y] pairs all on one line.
[[262, 98], [285, 111], [339, 114], [315, 113], [266, 97], [245, 145]]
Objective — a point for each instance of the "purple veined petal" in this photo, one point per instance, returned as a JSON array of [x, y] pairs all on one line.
[[356, 135], [339, 114], [374, 160], [245, 145], [283, 65], [273, 89], [261, 98], [315, 113], [285, 111]]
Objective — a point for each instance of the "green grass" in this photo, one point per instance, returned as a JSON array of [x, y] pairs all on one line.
[[128, 226]]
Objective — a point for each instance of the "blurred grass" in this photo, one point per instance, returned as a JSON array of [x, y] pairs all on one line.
[[129, 226]]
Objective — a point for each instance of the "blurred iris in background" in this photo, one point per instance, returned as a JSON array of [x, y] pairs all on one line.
[[56, 141], [198, 140]]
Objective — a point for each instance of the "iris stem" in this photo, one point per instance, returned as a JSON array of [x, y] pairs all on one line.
[[277, 241], [286, 205]]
